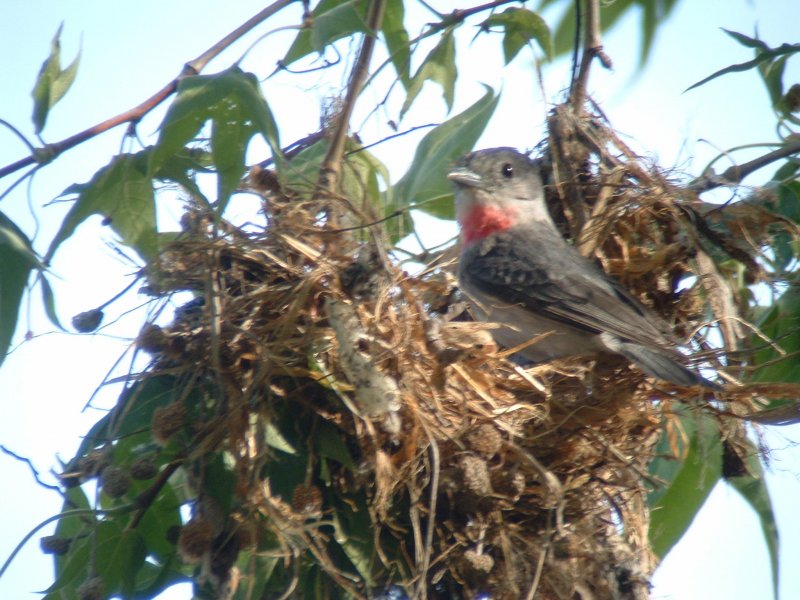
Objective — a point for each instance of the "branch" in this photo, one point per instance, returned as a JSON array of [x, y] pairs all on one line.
[[331, 166], [592, 48], [33, 469], [459, 15], [134, 115], [735, 174], [147, 497]]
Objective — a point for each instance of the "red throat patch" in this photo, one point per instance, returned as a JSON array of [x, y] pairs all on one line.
[[485, 220]]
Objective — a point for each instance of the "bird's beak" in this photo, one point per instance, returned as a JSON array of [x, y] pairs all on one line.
[[465, 177]]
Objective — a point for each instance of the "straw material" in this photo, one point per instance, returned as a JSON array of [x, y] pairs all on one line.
[[357, 412]]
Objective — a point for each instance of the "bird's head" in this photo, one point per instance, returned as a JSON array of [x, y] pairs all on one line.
[[497, 189]]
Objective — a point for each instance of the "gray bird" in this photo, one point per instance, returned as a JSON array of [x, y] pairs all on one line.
[[519, 272]]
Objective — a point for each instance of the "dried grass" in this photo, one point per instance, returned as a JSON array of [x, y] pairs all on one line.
[[479, 475]]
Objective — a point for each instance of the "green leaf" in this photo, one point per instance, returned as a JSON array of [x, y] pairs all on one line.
[[438, 66], [71, 526], [397, 42], [352, 533], [49, 302], [258, 570], [273, 437], [77, 563], [233, 102], [118, 560], [152, 579], [52, 83], [133, 412], [331, 20], [654, 13], [343, 20], [121, 192], [180, 168], [330, 445], [745, 40], [779, 323], [425, 184], [521, 26], [360, 173], [230, 135], [753, 488], [18, 259], [156, 522], [673, 511], [301, 172], [564, 36], [762, 56], [219, 481], [772, 74]]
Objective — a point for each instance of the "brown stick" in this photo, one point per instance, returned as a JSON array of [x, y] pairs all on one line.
[[331, 167], [134, 115], [592, 47], [735, 174]]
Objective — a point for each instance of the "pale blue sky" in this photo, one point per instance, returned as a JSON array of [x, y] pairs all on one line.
[[132, 49]]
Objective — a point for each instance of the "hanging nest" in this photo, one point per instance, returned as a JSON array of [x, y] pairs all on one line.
[[336, 423]]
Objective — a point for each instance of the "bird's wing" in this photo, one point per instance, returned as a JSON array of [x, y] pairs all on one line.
[[550, 278]]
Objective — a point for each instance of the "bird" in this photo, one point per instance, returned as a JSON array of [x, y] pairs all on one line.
[[519, 272]]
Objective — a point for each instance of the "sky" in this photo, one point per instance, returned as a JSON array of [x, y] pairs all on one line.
[[129, 50]]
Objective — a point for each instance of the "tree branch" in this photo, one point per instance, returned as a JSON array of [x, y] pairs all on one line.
[[33, 469], [134, 115], [735, 174], [331, 166], [592, 47]]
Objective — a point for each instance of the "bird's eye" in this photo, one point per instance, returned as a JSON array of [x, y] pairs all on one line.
[[507, 171]]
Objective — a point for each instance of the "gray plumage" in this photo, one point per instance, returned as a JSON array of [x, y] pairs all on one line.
[[519, 272]]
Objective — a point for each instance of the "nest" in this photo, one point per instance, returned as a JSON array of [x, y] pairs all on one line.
[[371, 440]]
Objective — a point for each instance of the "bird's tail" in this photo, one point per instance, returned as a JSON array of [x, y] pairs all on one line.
[[662, 366]]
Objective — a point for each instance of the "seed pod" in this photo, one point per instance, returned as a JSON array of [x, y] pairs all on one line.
[[88, 321], [167, 421], [307, 500], [54, 544], [195, 540], [144, 467], [485, 440], [92, 589], [115, 481]]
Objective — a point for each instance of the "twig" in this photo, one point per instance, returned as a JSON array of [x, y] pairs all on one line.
[[18, 133], [421, 591], [147, 497], [331, 166], [592, 47], [393, 136], [735, 174], [134, 115], [459, 15], [33, 469]]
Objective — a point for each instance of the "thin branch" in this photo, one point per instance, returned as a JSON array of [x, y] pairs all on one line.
[[592, 48], [33, 469], [134, 115], [394, 135], [147, 497], [331, 166], [459, 15], [735, 174], [18, 133]]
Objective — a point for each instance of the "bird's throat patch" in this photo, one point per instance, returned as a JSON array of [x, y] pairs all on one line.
[[485, 220]]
